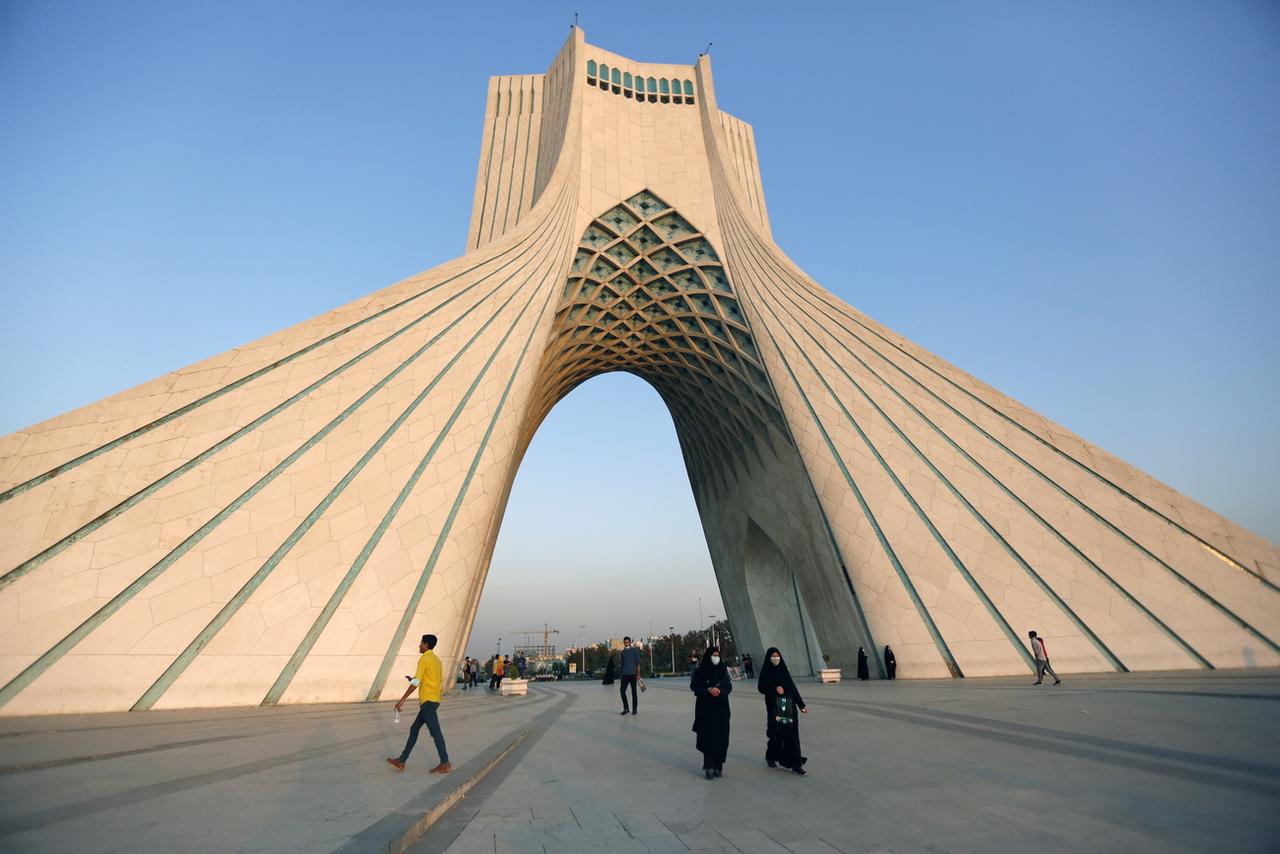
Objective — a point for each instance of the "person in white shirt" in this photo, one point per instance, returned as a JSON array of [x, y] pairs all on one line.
[[1041, 655]]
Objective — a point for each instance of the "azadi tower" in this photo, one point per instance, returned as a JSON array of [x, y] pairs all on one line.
[[280, 523]]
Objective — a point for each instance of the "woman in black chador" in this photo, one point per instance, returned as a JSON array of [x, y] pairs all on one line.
[[711, 711], [863, 673], [783, 705], [890, 662]]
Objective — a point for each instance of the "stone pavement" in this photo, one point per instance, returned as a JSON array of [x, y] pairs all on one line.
[[291, 778], [1169, 762], [1187, 762]]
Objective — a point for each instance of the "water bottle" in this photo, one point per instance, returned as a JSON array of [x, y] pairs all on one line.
[[397, 716]]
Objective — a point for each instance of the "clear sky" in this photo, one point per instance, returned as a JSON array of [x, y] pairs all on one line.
[[1077, 202]]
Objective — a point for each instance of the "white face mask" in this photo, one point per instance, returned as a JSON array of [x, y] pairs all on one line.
[[715, 659], [775, 659]]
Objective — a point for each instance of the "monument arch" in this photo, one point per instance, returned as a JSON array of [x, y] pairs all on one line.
[[276, 523]]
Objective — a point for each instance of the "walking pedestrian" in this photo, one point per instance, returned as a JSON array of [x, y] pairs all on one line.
[[428, 681], [748, 666], [1041, 653], [495, 674], [781, 703], [466, 673], [890, 663], [863, 673], [630, 661], [711, 683], [475, 672]]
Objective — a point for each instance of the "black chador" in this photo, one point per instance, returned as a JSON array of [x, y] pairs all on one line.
[[711, 712], [782, 704], [863, 673], [890, 662]]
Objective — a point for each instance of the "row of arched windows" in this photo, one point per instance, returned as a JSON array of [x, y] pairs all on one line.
[[655, 89]]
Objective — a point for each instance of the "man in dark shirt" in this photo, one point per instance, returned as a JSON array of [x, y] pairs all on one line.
[[630, 673]]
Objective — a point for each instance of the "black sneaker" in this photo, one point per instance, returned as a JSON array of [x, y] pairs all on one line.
[[1057, 682], [718, 772], [799, 771], [635, 711], [708, 772], [624, 712]]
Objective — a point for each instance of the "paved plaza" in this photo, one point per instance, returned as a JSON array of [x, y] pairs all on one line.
[[1170, 762]]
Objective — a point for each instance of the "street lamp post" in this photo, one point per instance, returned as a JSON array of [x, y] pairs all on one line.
[[712, 618], [649, 641], [673, 650], [582, 653]]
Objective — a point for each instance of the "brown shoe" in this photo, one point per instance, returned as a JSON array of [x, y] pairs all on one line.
[[442, 768], [395, 763]]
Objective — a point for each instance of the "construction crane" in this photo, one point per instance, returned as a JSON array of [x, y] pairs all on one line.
[[546, 650]]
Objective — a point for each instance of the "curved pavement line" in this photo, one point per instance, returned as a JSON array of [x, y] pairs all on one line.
[[67, 812], [422, 815]]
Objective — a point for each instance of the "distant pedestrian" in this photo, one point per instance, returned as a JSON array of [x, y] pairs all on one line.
[[863, 673], [630, 666], [429, 681], [466, 673], [1041, 653], [711, 683], [748, 666], [495, 674], [475, 672], [610, 672], [890, 663]]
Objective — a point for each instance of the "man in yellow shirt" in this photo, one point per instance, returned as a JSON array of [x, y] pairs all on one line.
[[429, 681]]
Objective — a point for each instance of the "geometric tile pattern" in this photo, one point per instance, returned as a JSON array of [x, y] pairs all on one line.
[[278, 523], [647, 294]]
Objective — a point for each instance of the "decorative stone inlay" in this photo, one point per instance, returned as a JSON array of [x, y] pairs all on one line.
[[647, 294]]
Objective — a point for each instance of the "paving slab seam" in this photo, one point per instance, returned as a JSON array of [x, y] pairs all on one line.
[[37, 820], [287, 713], [1271, 772], [1161, 768], [406, 826], [42, 764]]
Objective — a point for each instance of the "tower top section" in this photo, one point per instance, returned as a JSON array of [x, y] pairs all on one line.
[[617, 126]]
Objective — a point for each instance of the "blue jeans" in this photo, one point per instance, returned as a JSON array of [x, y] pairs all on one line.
[[427, 714]]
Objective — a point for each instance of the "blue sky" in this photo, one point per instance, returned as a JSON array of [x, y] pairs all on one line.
[[1078, 203]]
